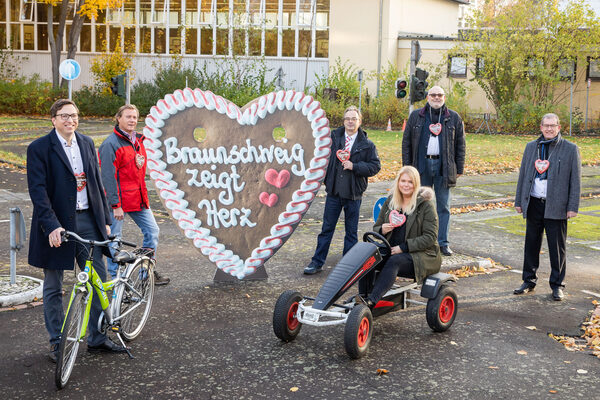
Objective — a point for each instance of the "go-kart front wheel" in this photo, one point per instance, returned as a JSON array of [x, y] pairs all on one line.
[[441, 310], [285, 322], [358, 331]]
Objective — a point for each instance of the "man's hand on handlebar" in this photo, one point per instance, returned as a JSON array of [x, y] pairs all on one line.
[[55, 237]]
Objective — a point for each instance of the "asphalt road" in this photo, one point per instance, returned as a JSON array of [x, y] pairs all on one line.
[[215, 341]]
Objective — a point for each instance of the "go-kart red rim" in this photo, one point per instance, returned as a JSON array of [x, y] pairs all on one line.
[[363, 332], [446, 310], [292, 321]]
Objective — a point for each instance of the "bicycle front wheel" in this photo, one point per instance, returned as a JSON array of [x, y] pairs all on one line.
[[70, 338], [135, 298]]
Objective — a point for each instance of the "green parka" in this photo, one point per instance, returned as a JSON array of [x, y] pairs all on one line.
[[421, 233]]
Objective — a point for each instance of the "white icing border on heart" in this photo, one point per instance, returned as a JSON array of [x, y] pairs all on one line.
[[225, 259]]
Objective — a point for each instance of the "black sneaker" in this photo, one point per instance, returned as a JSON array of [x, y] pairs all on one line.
[[160, 280], [312, 269], [53, 353]]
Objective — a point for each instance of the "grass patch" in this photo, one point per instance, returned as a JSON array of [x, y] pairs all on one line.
[[12, 157], [23, 123], [486, 154], [582, 227]]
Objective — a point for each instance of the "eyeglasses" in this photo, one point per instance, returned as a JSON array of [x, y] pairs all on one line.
[[546, 126], [65, 117], [353, 119], [440, 95]]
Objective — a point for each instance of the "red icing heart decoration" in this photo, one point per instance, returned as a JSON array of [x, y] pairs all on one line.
[[219, 190], [542, 166], [139, 161], [343, 155], [436, 129], [397, 219], [267, 199], [277, 179], [81, 181]]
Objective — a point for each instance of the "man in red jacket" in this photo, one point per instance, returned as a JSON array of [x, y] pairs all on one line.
[[123, 163]]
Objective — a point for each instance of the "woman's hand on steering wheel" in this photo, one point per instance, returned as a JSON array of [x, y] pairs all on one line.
[[396, 250]]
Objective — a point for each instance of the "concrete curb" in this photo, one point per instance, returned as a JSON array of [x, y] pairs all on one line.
[[25, 296]]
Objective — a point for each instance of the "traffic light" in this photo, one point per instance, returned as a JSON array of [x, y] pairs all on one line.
[[401, 85], [118, 85], [418, 85]]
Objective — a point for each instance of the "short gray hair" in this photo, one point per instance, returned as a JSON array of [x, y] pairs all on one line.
[[550, 115]]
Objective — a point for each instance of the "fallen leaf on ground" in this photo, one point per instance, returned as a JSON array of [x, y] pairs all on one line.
[[553, 391], [492, 367], [531, 328], [294, 389], [381, 371], [453, 343], [522, 352], [582, 371]]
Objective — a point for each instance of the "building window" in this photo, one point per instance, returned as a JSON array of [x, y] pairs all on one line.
[[533, 66], [479, 66], [457, 67], [593, 69], [566, 68]]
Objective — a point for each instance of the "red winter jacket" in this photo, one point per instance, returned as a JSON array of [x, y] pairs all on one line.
[[123, 176]]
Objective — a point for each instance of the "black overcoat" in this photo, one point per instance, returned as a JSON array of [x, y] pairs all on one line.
[[53, 192]]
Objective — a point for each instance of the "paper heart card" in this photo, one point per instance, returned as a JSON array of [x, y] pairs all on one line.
[[237, 192]]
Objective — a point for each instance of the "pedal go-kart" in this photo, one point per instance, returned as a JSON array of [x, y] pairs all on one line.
[[292, 310]]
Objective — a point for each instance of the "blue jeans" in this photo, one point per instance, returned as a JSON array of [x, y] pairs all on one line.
[[432, 176], [53, 278], [144, 219], [331, 214]]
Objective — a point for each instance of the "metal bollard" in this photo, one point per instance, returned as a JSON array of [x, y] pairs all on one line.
[[17, 237]]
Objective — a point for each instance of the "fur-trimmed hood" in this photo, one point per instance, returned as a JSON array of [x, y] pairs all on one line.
[[425, 194]]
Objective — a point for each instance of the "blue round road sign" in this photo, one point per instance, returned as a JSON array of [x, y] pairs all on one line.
[[377, 207], [69, 69]]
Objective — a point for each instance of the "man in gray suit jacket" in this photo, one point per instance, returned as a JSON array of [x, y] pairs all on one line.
[[547, 195]]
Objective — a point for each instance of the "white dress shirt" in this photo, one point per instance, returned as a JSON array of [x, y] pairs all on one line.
[[74, 156]]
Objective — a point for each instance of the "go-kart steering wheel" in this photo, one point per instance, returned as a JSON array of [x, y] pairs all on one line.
[[380, 241]]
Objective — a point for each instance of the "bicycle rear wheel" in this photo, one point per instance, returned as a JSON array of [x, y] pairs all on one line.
[[70, 339], [135, 298]]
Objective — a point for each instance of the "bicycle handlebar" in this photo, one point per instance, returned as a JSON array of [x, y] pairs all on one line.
[[111, 239]]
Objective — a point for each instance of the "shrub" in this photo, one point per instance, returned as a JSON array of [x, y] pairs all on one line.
[[108, 65], [96, 102], [27, 95]]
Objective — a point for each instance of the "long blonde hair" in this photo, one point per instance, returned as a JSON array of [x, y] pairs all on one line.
[[396, 201]]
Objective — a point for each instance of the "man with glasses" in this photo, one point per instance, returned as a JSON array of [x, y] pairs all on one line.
[[434, 143], [123, 161], [67, 193], [547, 195], [352, 161]]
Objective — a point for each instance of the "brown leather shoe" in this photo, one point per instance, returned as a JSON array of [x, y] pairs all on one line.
[[160, 280]]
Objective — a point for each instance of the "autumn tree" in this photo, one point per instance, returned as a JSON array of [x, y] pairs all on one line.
[[521, 50], [83, 8]]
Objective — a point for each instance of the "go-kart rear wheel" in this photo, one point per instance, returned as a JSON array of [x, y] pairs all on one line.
[[285, 322], [441, 310], [358, 331]]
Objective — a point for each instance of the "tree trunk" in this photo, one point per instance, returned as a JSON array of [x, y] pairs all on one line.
[[56, 42], [74, 34]]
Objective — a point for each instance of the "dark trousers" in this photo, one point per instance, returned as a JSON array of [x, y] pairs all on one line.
[[333, 207], [556, 236], [374, 288], [53, 279]]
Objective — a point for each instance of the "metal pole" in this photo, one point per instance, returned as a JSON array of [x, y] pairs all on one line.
[[127, 88], [360, 79], [70, 91], [587, 101], [571, 106], [379, 46], [413, 67], [13, 245]]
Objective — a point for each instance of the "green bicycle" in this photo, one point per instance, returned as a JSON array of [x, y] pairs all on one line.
[[125, 314]]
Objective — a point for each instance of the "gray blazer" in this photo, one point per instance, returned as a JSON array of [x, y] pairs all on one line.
[[564, 178]]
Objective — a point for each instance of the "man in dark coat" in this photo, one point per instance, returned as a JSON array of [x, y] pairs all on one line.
[[434, 143], [547, 195], [67, 194], [353, 160]]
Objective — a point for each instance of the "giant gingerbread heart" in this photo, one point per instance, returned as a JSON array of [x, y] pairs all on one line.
[[228, 191]]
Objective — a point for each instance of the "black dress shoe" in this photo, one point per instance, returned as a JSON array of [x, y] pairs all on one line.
[[312, 269], [524, 288], [53, 354], [557, 294], [108, 346], [446, 250]]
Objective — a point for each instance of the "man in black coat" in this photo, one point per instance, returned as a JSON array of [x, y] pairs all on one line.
[[352, 161], [67, 194], [434, 143]]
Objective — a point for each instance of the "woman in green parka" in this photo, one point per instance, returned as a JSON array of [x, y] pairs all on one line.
[[408, 219]]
